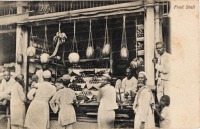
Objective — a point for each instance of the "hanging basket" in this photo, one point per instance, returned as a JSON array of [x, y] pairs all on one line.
[[106, 50], [74, 57], [124, 53], [44, 58], [19, 59], [106, 47], [90, 48], [90, 52]]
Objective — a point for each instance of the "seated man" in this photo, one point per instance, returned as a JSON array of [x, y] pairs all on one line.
[[129, 83]]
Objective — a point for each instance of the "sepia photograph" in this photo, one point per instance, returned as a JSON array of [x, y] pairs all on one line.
[[99, 64]]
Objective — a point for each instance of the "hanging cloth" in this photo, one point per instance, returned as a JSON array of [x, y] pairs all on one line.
[[90, 48], [124, 53], [106, 47]]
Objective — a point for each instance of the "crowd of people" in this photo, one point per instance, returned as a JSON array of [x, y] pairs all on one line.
[[60, 97]]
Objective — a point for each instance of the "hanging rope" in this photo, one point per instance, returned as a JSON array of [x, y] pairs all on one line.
[[31, 37], [74, 42], [90, 41], [45, 44]]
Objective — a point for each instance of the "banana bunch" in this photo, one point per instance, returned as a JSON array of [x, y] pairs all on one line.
[[60, 38], [137, 62]]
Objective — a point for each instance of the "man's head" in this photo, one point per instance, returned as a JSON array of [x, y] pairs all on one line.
[[128, 73], [47, 75], [66, 79], [160, 47], [6, 75], [19, 78], [165, 100], [142, 79], [34, 78]]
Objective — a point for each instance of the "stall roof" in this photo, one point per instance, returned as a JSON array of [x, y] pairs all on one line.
[[111, 10]]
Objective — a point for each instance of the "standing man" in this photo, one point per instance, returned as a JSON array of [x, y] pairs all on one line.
[[107, 99], [62, 101], [129, 83], [5, 86], [162, 66], [143, 105], [37, 116]]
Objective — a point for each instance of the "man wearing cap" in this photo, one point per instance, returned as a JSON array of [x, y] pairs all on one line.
[[107, 99], [63, 100], [37, 116], [143, 105], [162, 66], [5, 86]]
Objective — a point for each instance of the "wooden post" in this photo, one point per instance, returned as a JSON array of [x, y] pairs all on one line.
[[149, 44]]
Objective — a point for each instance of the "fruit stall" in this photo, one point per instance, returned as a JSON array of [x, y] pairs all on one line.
[[87, 43]]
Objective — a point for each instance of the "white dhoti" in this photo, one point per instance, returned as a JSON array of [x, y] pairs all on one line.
[[106, 119], [162, 88]]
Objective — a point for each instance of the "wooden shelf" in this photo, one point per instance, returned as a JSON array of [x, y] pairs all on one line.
[[86, 60], [140, 39], [140, 52]]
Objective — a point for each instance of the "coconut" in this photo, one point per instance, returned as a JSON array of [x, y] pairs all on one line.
[[73, 57], [106, 49], [31, 51], [124, 53], [44, 58], [90, 52]]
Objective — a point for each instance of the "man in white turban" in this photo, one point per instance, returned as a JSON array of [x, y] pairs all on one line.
[[143, 105], [40, 104], [107, 99]]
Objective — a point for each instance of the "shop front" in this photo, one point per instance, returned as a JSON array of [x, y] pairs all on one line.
[[88, 43]]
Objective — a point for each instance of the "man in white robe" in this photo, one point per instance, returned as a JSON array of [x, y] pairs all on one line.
[[143, 105], [162, 66]]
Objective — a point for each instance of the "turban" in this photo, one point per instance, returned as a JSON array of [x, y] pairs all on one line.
[[143, 73], [66, 77], [46, 74]]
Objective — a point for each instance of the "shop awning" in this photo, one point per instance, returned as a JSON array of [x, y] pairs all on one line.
[[125, 8], [12, 19]]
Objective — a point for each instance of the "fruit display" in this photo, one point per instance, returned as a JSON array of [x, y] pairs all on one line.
[[94, 80], [79, 79], [75, 87]]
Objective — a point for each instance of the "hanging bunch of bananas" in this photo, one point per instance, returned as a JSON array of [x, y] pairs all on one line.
[[60, 38]]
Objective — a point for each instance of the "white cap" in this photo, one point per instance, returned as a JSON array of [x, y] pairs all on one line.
[[46, 74], [142, 72], [66, 77]]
